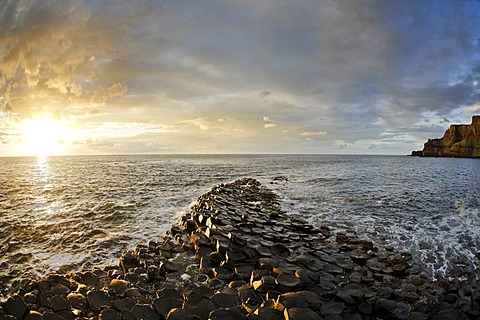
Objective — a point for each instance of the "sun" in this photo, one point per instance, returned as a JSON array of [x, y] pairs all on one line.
[[42, 136]]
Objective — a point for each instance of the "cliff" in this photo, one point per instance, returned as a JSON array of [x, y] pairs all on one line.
[[459, 141]]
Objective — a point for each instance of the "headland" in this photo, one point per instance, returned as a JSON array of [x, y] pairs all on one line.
[[459, 141]]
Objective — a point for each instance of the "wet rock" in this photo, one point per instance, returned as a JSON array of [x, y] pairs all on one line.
[[144, 312], [181, 314], [300, 299], [223, 300], [125, 304], [392, 310], [267, 264], [287, 283], [332, 308], [98, 299], [16, 306], [223, 273], [268, 313], [60, 289], [118, 287], [301, 314], [110, 314], [58, 303], [279, 250], [264, 284], [226, 314], [233, 258], [52, 316], [165, 304], [33, 315], [201, 308], [244, 270], [127, 261], [77, 300]]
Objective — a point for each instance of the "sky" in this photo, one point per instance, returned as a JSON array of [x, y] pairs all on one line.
[[235, 76]]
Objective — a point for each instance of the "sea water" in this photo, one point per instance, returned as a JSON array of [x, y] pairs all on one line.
[[62, 214]]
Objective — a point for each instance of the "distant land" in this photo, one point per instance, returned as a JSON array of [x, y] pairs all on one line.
[[459, 141]]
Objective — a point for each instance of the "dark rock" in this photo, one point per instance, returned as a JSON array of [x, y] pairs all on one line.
[[223, 300], [98, 299], [265, 283], [77, 300], [118, 287], [169, 293], [125, 304], [144, 312], [52, 316], [332, 308], [416, 316], [226, 314], [288, 283], [201, 308], [16, 306], [91, 279], [190, 225], [33, 315], [30, 298], [233, 258], [301, 314], [58, 303], [181, 314], [365, 308], [279, 250], [223, 273], [392, 310], [268, 313], [449, 314], [133, 293], [244, 270], [267, 264], [110, 314], [60, 289], [171, 266], [300, 299], [165, 304], [215, 284]]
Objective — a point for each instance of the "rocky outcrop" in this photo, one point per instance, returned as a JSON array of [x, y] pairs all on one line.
[[238, 255], [459, 141]]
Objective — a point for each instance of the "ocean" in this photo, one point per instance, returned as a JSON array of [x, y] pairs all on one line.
[[62, 214]]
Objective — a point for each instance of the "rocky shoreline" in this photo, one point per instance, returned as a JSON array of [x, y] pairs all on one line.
[[237, 255]]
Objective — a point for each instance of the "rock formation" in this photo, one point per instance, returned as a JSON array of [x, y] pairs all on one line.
[[459, 141], [238, 255]]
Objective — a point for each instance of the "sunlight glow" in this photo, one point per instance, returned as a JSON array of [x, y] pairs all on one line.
[[42, 136]]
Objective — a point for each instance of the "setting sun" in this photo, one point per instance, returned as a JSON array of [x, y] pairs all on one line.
[[42, 136]]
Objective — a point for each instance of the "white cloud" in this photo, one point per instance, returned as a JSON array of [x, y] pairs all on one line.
[[309, 134], [269, 125]]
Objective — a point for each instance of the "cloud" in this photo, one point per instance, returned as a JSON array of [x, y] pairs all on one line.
[[359, 70], [264, 94], [310, 134], [473, 109], [101, 95]]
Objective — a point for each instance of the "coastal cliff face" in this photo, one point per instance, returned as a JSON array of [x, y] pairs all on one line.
[[460, 141]]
